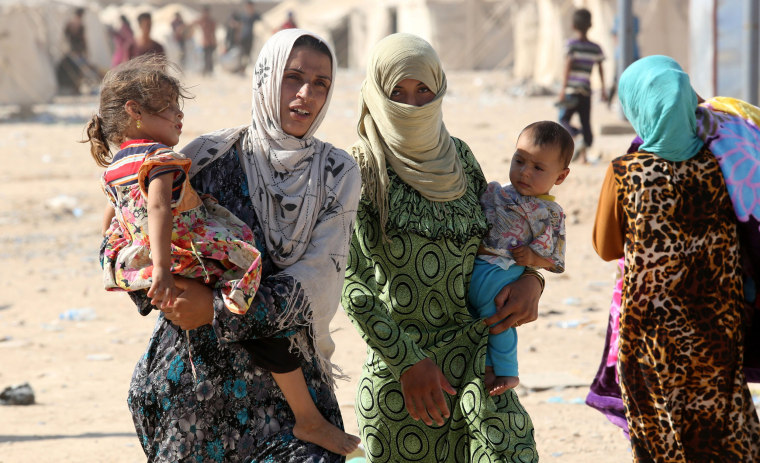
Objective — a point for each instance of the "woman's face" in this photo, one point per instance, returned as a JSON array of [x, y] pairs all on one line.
[[412, 92], [305, 85]]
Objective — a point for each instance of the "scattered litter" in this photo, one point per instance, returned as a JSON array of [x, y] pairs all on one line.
[[600, 284], [79, 315], [64, 204], [571, 301], [560, 400], [20, 394], [52, 327], [568, 324], [99, 357]]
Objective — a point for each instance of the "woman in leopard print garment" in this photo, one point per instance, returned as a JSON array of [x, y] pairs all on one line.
[[666, 209]]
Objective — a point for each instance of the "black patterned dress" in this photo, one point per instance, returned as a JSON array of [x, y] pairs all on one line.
[[233, 411]]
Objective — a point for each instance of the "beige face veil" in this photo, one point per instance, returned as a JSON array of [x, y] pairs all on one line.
[[412, 140]]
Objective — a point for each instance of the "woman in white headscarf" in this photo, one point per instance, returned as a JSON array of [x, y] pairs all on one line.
[[422, 394], [299, 196]]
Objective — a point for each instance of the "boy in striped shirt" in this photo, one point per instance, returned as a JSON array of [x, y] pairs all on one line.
[[575, 96]]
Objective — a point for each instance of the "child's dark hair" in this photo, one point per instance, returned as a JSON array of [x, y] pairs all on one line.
[[145, 80], [582, 20], [552, 133], [313, 43]]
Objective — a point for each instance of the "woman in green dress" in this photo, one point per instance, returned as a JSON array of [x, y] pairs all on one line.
[[422, 396]]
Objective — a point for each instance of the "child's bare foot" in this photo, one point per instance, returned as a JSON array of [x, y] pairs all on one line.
[[325, 434], [496, 385]]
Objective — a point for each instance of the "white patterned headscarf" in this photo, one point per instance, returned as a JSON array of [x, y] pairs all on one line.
[[305, 192], [283, 182]]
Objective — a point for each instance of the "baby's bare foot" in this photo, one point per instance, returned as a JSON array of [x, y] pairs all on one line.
[[325, 434], [496, 385]]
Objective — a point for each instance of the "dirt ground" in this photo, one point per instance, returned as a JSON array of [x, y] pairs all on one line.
[[50, 210]]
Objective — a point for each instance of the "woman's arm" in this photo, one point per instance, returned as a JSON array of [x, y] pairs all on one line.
[[422, 381], [608, 235], [367, 311]]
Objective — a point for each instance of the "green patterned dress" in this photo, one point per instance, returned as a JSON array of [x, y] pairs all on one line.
[[408, 299]]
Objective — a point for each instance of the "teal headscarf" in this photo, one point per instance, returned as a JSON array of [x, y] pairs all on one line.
[[658, 100]]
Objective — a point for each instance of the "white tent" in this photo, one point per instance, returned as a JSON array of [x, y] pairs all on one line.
[[32, 43], [524, 37]]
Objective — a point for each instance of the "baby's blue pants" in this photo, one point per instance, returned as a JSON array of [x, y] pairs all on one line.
[[487, 280]]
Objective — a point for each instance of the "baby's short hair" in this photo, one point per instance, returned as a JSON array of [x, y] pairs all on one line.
[[552, 133], [582, 20]]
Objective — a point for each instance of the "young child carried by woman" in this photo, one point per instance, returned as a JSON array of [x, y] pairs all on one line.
[[168, 230], [527, 229]]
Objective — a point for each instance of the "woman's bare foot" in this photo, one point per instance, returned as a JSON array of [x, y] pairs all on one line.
[[325, 434], [496, 385]]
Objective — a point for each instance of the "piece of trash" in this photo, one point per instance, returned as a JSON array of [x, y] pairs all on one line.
[[63, 204], [555, 400], [571, 301], [20, 394], [79, 315], [599, 284], [52, 327], [568, 324], [99, 357]]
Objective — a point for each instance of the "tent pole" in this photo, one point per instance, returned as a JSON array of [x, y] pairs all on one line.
[[750, 51], [625, 39]]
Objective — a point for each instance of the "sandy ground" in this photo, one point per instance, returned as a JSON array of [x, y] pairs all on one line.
[[50, 209]]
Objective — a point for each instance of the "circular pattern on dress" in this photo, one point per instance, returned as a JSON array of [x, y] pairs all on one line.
[[399, 251], [455, 286], [412, 443], [383, 331], [404, 292], [365, 399], [375, 444], [392, 400], [471, 406], [455, 363], [371, 234], [492, 430], [379, 275], [433, 309], [429, 264]]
